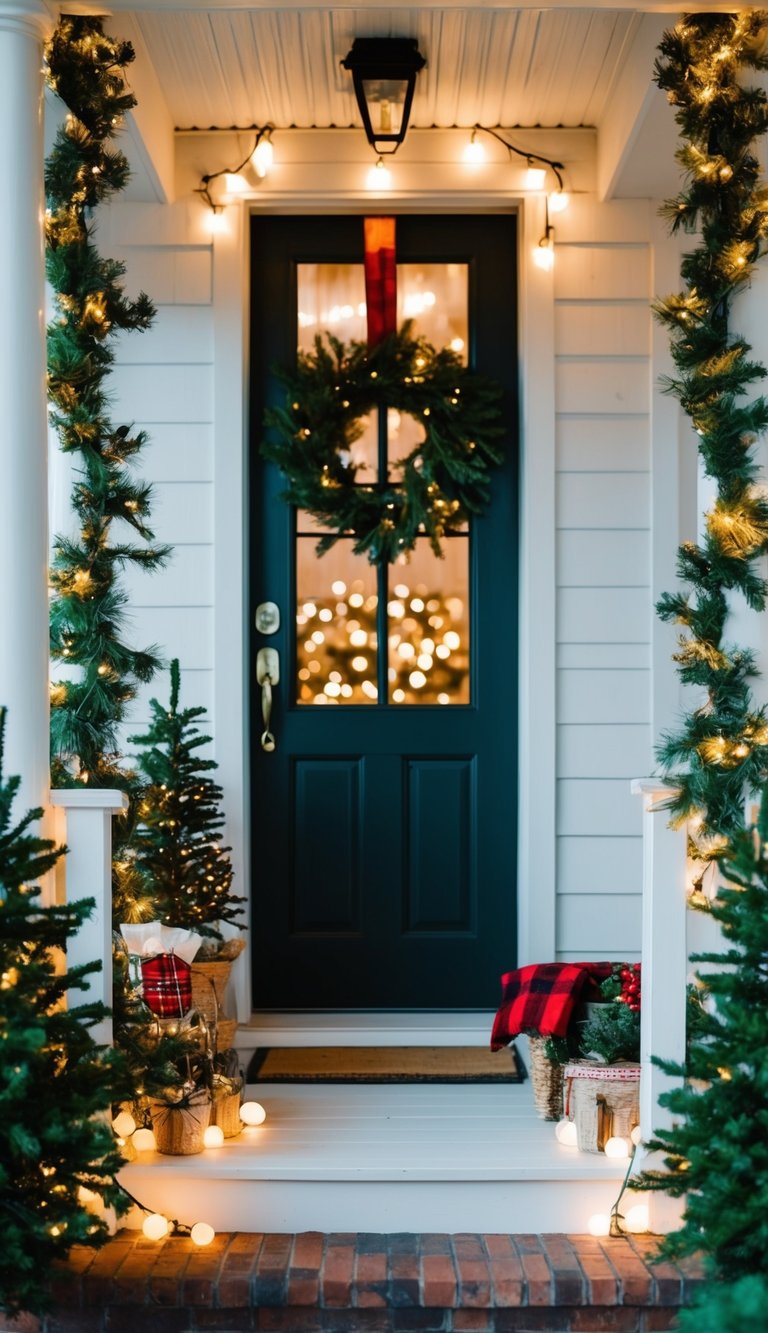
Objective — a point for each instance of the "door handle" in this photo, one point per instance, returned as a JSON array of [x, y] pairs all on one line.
[[267, 676]]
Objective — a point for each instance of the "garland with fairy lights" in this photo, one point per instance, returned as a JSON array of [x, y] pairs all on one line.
[[715, 1151], [443, 480], [85, 68], [720, 751]]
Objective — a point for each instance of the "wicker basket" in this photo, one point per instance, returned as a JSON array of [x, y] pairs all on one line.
[[179, 1129], [226, 1112], [547, 1081], [209, 984], [603, 1100]]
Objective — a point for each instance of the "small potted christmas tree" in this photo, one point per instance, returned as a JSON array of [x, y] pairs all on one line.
[[57, 1152], [178, 851]]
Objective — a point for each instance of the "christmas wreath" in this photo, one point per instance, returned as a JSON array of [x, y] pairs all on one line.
[[433, 489]]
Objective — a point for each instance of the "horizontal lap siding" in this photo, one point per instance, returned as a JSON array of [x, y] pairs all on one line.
[[163, 383], [602, 340]]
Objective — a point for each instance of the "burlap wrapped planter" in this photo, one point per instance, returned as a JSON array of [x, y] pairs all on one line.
[[546, 1080], [602, 1100], [179, 1130], [226, 1112]]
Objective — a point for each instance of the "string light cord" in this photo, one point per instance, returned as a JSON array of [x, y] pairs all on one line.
[[616, 1229], [556, 167], [264, 134]]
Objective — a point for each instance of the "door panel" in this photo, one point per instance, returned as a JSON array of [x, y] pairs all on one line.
[[384, 822]]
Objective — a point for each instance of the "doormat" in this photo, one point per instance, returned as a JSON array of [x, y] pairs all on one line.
[[385, 1064]]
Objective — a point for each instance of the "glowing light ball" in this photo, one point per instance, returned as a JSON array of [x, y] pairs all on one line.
[[636, 1135], [124, 1124], [202, 1233], [599, 1224], [144, 1140], [616, 1147], [252, 1113], [565, 1133], [155, 1226], [636, 1218], [213, 1137]]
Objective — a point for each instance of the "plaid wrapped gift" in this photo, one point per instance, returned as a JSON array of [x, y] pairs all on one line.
[[167, 985]]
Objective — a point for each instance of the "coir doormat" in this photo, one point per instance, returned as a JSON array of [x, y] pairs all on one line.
[[385, 1064]]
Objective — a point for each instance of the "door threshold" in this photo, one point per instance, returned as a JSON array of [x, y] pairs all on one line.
[[366, 1028]]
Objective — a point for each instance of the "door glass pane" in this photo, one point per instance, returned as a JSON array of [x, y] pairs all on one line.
[[331, 300], [436, 298], [428, 626], [336, 641]]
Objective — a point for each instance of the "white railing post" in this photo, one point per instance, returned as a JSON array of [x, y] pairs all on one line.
[[88, 874], [665, 972]]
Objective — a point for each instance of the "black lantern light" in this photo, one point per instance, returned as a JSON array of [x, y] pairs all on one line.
[[384, 73]]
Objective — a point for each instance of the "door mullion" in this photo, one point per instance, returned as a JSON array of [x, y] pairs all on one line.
[[382, 571]]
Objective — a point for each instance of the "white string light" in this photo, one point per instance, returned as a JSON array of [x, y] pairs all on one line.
[[379, 176]]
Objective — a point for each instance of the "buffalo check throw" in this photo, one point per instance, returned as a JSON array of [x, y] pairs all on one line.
[[542, 998]]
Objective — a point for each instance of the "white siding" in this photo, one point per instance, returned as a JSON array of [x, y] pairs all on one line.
[[163, 382], [603, 404]]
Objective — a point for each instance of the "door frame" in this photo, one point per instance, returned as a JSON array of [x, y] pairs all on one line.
[[536, 663]]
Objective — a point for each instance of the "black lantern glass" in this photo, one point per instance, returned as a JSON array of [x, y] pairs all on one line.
[[384, 73]]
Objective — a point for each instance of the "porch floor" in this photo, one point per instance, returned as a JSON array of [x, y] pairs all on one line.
[[374, 1157]]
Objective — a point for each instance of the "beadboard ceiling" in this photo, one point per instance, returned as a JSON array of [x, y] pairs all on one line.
[[493, 66]]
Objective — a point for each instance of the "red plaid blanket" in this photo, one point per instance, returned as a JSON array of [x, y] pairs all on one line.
[[541, 998]]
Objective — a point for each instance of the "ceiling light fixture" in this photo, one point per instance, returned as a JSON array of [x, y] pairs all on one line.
[[384, 73]]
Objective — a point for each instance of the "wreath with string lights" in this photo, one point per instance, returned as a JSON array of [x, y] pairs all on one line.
[[434, 488]]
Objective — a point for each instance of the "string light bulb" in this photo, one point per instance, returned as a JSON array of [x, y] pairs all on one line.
[[155, 1226], [599, 1224], [616, 1147], [565, 1133], [213, 1136], [379, 176], [535, 177], [252, 1113], [263, 155], [474, 151], [559, 201], [544, 252], [202, 1233], [637, 1218]]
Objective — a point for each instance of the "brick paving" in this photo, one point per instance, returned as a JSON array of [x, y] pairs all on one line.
[[367, 1283]]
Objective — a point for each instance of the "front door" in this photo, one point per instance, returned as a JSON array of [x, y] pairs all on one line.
[[384, 821]]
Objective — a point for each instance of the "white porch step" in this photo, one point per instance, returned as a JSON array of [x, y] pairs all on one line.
[[384, 1158]]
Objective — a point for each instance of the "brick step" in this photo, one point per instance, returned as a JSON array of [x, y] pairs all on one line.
[[368, 1283]]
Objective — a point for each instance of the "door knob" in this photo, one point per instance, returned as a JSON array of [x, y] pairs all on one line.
[[267, 675], [268, 617]]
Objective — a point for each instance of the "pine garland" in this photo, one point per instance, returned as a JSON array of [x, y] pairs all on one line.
[[720, 751], [434, 488], [54, 1080], [87, 610]]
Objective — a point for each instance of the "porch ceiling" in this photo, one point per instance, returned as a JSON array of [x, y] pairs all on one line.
[[510, 67]]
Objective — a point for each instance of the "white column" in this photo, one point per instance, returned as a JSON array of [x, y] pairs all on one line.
[[665, 971], [88, 874], [23, 447]]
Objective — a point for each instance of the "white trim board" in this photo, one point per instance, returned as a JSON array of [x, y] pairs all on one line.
[[536, 763]]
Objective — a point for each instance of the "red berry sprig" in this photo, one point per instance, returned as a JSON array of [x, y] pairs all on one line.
[[630, 987]]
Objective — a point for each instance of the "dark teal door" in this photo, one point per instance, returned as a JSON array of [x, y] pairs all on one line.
[[384, 823]]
